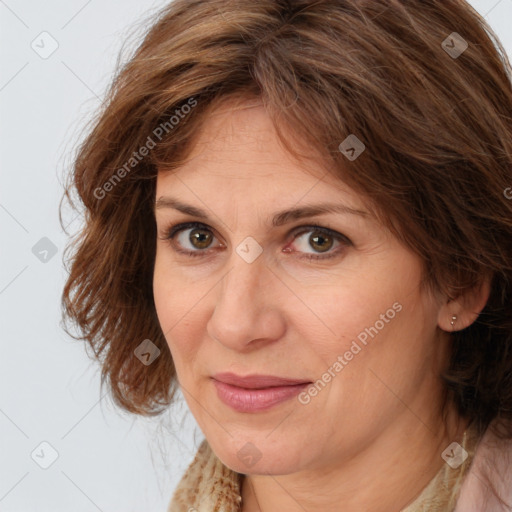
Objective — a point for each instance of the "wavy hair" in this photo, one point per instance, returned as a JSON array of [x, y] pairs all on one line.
[[425, 84]]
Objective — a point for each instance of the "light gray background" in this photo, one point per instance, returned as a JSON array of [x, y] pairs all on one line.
[[107, 460]]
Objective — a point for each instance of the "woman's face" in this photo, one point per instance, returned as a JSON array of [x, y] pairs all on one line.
[[251, 299]]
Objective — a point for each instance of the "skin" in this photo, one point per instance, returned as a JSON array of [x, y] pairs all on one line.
[[372, 438]]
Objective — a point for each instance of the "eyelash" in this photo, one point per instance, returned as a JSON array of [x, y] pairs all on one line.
[[170, 232]]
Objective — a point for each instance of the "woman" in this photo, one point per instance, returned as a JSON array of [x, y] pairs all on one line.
[[299, 214]]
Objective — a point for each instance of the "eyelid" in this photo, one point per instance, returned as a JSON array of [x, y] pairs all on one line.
[[299, 230]]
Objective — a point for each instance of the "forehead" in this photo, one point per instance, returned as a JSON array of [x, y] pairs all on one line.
[[237, 145]]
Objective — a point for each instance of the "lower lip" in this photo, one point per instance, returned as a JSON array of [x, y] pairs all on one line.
[[254, 400]]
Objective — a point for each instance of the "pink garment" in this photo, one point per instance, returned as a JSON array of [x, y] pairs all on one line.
[[492, 463]]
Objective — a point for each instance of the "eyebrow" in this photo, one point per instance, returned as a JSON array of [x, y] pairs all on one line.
[[278, 219]]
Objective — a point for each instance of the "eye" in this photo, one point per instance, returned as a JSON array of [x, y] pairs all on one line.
[[321, 240], [195, 239], [199, 238]]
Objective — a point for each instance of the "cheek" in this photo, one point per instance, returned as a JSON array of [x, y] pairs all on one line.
[[380, 321], [178, 306], [174, 296], [161, 294], [348, 313]]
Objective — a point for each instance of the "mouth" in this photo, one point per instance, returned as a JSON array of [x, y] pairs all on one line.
[[256, 393]]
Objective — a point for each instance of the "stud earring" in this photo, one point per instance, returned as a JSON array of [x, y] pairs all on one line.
[[453, 320]]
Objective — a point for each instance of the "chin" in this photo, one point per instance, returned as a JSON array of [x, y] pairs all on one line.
[[257, 457]]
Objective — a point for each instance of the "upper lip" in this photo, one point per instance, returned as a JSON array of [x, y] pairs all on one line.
[[256, 381]]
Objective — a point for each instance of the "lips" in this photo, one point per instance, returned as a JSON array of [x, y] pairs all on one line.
[[257, 381], [256, 393]]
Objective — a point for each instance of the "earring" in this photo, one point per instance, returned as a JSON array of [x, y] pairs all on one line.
[[453, 320]]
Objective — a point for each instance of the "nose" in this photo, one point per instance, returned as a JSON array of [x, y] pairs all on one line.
[[247, 311]]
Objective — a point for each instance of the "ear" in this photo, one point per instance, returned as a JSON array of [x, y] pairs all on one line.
[[458, 313]]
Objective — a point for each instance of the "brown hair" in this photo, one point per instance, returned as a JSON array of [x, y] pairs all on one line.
[[437, 127]]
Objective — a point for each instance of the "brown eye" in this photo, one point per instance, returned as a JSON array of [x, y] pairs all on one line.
[[191, 238], [200, 238], [321, 242]]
